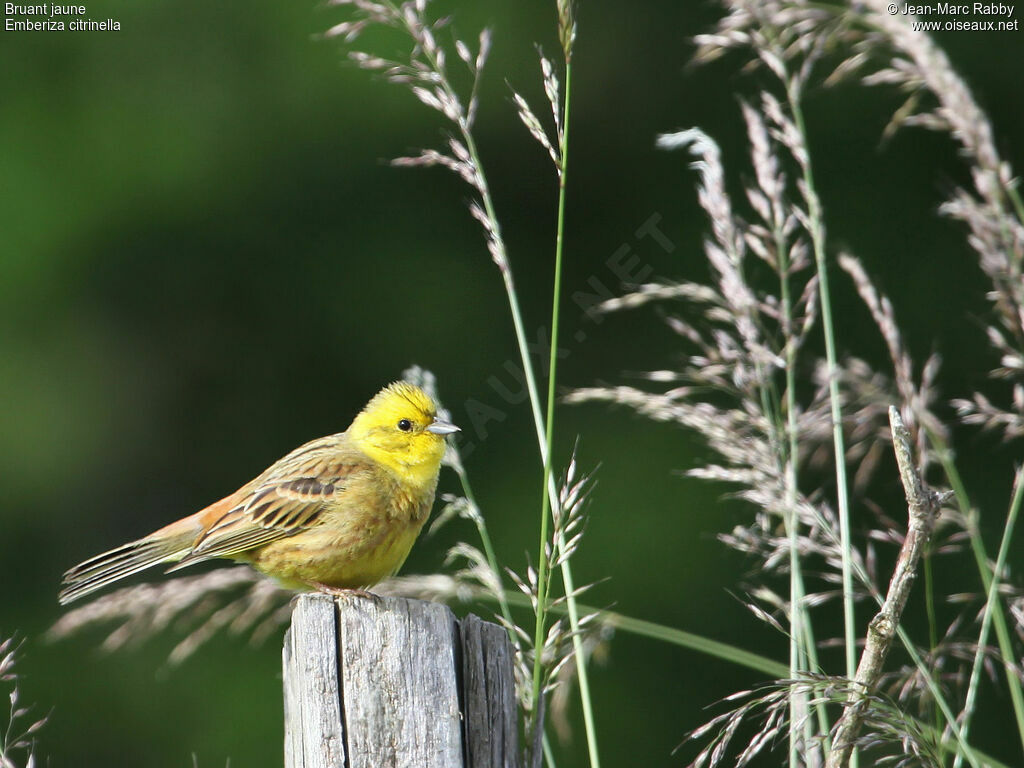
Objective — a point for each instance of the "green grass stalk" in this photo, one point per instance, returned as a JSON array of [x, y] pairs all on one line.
[[929, 604], [543, 434], [678, 637], [504, 265], [756, 662], [485, 540], [991, 598], [549, 496], [981, 560], [962, 746], [549, 755], [579, 656], [801, 632], [828, 325], [915, 657], [750, 660], [1018, 204]]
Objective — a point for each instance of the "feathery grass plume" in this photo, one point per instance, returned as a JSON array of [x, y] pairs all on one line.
[[947, 663], [780, 38], [559, 647], [918, 400], [939, 99], [993, 213], [791, 38], [884, 50], [738, 389], [947, 659], [237, 600], [737, 350], [18, 738], [426, 74], [760, 717], [992, 210]]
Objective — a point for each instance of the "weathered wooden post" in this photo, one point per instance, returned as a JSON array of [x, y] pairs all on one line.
[[396, 683]]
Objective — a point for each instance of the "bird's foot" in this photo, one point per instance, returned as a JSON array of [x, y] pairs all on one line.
[[344, 591]]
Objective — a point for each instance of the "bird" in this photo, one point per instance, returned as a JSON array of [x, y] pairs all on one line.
[[338, 514]]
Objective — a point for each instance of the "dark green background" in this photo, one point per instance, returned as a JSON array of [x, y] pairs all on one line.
[[205, 260]]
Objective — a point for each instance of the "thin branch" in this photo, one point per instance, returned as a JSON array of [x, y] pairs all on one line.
[[922, 505]]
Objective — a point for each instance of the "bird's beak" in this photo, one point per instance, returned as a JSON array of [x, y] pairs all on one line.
[[442, 427]]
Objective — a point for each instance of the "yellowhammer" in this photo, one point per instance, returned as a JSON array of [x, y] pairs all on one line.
[[341, 512]]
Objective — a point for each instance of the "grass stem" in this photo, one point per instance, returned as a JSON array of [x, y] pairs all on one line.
[[568, 583], [981, 559], [815, 215], [992, 598]]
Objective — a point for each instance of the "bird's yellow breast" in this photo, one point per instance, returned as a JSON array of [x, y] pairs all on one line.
[[361, 538]]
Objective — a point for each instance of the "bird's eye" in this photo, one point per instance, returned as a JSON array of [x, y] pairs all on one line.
[[405, 425]]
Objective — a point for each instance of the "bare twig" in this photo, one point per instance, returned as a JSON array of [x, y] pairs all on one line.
[[923, 505]]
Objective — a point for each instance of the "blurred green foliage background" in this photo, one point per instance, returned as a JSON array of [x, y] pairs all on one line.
[[205, 260]]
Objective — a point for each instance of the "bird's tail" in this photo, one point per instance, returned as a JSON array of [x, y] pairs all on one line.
[[169, 544]]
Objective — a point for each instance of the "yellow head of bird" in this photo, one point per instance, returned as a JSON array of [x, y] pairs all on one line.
[[400, 429]]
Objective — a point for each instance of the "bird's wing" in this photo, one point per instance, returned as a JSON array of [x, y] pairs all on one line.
[[289, 497]]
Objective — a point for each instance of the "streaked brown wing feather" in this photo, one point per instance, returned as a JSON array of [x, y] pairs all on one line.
[[289, 497]]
